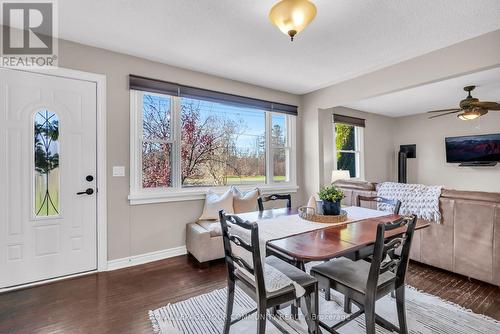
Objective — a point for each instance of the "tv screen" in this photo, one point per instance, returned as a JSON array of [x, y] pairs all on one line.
[[473, 148]]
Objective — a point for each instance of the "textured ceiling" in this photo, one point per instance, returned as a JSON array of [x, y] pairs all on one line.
[[234, 39], [439, 95]]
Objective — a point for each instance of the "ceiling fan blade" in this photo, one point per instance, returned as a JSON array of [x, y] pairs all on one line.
[[446, 113], [487, 105], [442, 110]]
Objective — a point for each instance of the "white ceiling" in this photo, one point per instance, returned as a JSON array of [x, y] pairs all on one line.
[[234, 38], [439, 95]]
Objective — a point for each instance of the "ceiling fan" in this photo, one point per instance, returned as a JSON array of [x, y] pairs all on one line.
[[470, 107]]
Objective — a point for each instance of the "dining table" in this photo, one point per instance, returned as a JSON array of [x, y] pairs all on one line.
[[321, 242], [327, 241]]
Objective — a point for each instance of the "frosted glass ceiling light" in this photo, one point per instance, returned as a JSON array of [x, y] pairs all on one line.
[[292, 16]]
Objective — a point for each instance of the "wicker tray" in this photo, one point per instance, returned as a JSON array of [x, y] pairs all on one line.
[[309, 213]]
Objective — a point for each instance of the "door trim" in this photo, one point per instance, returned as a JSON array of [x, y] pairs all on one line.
[[100, 81]]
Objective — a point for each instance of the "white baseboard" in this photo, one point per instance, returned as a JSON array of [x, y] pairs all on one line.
[[145, 258]]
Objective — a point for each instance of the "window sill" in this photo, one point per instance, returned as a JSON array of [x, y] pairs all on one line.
[[199, 193]]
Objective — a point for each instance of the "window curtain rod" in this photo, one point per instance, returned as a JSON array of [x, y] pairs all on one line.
[[169, 88]]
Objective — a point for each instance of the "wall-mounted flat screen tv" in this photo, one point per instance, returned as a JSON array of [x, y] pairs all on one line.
[[482, 148]]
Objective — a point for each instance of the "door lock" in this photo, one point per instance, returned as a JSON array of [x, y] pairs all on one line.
[[88, 191]]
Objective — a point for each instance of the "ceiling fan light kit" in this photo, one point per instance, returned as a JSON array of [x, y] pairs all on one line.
[[292, 16], [469, 108], [469, 115]]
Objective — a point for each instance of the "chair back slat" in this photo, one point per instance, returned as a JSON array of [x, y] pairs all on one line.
[[239, 260], [240, 242], [274, 197], [383, 252], [230, 238], [396, 204], [389, 261]]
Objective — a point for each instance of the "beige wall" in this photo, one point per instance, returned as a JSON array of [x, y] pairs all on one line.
[[469, 56], [140, 229], [135, 230], [378, 144], [430, 166]]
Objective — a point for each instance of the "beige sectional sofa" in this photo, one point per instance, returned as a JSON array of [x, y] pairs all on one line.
[[203, 242], [204, 238], [467, 241]]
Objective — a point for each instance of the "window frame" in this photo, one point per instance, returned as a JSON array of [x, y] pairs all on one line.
[[140, 195], [270, 148], [358, 151]]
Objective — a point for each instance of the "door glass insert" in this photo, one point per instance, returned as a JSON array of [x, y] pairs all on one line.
[[46, 158]]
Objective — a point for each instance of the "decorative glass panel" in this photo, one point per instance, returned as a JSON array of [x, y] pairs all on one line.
[[46, 158]]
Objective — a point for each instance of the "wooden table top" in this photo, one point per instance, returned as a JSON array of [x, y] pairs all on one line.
[[329, 242]]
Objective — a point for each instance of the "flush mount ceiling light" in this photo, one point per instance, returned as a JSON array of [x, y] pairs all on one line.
[[292, 16]]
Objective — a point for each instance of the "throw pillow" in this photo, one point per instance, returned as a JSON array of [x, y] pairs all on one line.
[[214, 203], [245, 201]]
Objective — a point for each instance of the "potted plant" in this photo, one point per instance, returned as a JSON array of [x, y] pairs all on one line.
[[331, 197]]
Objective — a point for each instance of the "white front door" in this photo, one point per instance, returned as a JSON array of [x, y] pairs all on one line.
[[47, 157]]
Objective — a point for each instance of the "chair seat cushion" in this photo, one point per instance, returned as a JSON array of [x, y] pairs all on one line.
[[353, 274], [295, 274]]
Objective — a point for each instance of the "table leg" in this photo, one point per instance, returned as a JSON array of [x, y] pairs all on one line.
[[295, 306]]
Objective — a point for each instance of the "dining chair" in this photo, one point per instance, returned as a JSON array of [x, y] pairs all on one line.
[[299, 264], [365, 253], [249, 276], [364, 283], [274, 197], [396, 204]]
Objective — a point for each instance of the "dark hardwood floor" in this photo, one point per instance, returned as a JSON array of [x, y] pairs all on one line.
[[472, 294], [118, 301]]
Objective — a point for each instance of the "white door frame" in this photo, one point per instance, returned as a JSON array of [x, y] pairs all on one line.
[[100, 81]]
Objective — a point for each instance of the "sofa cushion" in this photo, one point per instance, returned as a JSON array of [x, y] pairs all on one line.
[[211, 226], [245, 201], [355, 184], [471, 195], [214, 203]]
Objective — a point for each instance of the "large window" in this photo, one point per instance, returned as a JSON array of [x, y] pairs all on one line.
[[349, 149], [181, 145]]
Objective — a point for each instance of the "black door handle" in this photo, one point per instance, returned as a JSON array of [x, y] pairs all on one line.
[[89, 191]]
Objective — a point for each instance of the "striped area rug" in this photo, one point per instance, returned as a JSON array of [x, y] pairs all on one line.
[[426, 314]]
